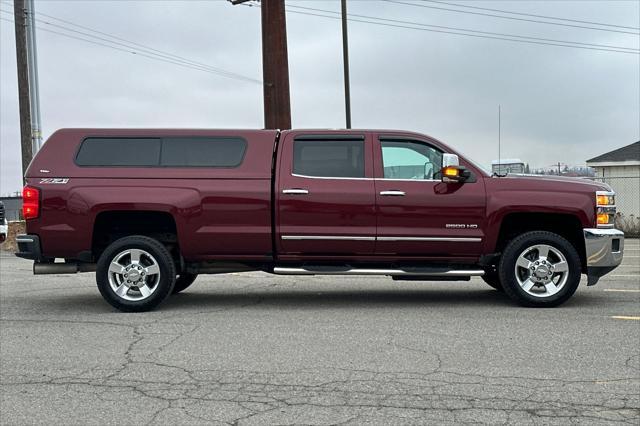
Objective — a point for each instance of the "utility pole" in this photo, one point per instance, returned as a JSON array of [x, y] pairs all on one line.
[[275, 64], [345, 60], [34, 89], [20, 18]]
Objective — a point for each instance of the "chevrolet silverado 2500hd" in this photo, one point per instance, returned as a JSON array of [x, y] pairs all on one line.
[[149, 210]]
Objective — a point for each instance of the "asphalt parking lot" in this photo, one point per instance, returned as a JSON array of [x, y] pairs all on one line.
[[260, 349]]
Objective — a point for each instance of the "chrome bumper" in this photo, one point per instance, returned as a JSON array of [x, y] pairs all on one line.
[[604, 249]]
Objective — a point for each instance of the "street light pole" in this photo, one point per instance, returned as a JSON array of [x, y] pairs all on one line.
[[345, 60]]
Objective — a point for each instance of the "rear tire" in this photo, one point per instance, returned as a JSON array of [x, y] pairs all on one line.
[[540, 269], [183, 281], [135, 274]]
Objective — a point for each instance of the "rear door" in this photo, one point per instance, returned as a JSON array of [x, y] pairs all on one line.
[[325, 194], [418, 215]]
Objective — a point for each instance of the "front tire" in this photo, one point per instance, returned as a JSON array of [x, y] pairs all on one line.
[[135, 274], [540, 269]]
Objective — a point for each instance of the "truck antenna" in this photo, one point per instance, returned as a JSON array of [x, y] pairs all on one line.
[[499, 131]]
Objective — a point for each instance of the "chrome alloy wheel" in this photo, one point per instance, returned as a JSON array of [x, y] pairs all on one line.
[[541, 270], [134, 274]]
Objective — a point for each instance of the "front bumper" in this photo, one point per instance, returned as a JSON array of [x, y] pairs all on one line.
[[604, 249]]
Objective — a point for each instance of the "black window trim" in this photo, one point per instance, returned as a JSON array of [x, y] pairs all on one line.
[[161, 138]]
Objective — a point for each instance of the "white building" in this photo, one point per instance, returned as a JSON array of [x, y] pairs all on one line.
[[620, 169], [507, 165]]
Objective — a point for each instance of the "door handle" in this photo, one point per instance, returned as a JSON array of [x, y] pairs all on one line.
[[295, 191], [393, 193]]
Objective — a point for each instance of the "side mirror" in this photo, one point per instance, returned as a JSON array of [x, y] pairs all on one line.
[[452, 172]]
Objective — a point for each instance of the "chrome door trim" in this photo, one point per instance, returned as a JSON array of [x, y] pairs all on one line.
[[327, 237], [361, 238], [408, 180], [329, 177], [441, 239]]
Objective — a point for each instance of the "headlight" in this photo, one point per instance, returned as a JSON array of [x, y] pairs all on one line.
[[605, 199], [605, 209]]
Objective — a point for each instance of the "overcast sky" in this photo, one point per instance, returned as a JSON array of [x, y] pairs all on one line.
[[558, 104]]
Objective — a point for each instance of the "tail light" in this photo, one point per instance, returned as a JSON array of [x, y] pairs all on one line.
[[30, 202]]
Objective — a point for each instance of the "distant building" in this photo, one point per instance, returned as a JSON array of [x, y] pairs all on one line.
[[620, 169], [12, 207], [508, 165]]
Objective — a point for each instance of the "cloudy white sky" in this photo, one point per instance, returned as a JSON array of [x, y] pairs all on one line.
[[558, 104]]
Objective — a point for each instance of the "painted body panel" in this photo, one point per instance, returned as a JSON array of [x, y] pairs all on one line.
[[336, 217], [419, 222], [234, 213]]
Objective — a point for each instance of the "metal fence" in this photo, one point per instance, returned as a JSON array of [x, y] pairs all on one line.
[[627, 189]]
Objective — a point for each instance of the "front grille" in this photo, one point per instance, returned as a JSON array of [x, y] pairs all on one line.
[[1, 212]]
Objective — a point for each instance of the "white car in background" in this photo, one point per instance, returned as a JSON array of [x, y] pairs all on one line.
[[3, 224]]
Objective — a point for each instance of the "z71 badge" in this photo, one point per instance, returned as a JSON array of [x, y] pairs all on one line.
[[60, 181]]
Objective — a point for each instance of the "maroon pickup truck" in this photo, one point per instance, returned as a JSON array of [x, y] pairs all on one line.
[[149, 210]]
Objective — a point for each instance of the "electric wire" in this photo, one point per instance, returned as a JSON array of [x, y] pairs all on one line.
[[146, 51], [133, 52], [509, 17], [465, 34], [532, 15], [468, 30]]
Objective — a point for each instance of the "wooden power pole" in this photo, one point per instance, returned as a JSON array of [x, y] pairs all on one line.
[[20, 18], [275, 66], [345, 60]]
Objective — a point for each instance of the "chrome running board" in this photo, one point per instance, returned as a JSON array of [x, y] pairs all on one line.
[[347, 270]]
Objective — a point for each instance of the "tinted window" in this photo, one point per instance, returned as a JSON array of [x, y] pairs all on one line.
[[328, 158], [410, 160], [202, 152], [119, 152], [168, 152]]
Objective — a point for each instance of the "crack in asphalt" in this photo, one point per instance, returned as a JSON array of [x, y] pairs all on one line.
[[343, 396]]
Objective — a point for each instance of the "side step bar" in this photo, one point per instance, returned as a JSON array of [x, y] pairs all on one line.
[[337, 270]]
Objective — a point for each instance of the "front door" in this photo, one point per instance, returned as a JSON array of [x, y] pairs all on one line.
[[325, 195], [418, 215]]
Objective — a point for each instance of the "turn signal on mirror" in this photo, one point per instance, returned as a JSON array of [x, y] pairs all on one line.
[[452, 172]]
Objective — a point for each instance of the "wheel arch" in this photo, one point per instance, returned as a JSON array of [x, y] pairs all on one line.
[[566, 225], [111, 225]]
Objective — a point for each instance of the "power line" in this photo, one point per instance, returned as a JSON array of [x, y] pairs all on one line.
[[133, 52], [532, 15], [465, 34], [145, 47], [469, 30], [147, 52], [510, 17]]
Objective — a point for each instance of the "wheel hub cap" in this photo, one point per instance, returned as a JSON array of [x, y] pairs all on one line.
[[134, 274], [541, 270]]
